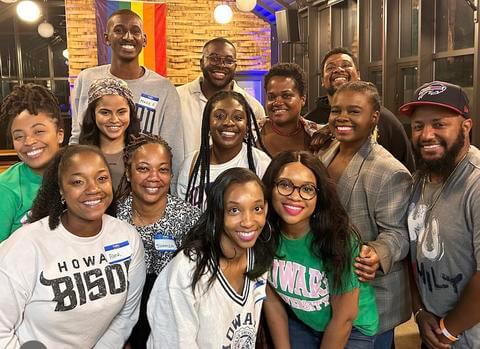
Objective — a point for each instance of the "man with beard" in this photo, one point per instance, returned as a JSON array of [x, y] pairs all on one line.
[[444, 218], [338, 67], [218, 64], [157, 102]]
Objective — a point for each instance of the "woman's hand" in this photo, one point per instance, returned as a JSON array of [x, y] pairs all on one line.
[[367, 264]]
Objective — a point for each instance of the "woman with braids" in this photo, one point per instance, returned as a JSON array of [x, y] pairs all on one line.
[[210, 295], [162, 220], [72, 278], [36, 129], [312, 274], [284, 128], [109, 121], [229, 122]]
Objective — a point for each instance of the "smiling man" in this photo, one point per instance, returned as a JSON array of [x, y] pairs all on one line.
[[444, 218], [218, 64], [338, 67], [157, 102]]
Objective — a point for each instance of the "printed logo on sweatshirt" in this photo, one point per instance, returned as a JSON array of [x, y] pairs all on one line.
[[241, 332], [82, 282], [300, 287]]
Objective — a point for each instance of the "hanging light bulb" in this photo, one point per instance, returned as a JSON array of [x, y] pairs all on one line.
[[222, 14], [28, 11], [45, 30], [246, 5]]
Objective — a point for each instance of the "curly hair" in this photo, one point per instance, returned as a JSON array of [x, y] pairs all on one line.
[[33, 98], [136, 142], [288, 70], [90, 134], [332, 234], [49, 200], [202, 243], [202, 163]]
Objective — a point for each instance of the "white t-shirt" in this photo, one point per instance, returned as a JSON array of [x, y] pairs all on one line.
[[193, 103], [217, 317], [67, 291], [261, 160]]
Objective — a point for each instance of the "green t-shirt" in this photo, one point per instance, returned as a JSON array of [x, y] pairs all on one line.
[[299, 277], [18, 188]]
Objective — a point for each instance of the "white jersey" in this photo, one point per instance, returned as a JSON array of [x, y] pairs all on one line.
[[215, 317], [68, 291]]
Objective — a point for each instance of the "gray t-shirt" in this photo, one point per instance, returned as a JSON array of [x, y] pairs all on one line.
[[445, 240]]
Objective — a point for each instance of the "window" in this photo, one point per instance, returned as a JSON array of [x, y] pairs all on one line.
[[408, 19], [27, 57]]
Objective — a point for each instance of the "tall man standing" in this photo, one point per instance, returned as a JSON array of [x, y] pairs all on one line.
[[218, 64], [444, 218], [338, 67], [158, 105]]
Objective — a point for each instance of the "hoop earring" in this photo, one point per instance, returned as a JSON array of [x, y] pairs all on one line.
[[269, 235], [62, 201]]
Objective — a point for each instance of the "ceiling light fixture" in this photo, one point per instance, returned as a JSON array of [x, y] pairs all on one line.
[[28, 11], [222, 14]]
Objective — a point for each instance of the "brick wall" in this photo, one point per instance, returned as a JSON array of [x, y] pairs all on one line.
[[189, 25]]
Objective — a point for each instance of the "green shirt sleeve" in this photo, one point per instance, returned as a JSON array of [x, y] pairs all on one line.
[[8, 207]]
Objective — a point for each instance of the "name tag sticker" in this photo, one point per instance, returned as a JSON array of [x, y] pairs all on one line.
[[148, 102], [118, 252], [164, 243]]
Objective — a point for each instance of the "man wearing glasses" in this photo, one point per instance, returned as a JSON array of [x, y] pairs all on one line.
[[218, 64]]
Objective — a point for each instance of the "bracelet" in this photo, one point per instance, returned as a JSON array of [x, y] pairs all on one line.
[[416, 313], [445, 332]]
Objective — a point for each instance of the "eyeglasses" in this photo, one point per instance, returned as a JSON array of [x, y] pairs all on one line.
[[285, 187], [218, 60]]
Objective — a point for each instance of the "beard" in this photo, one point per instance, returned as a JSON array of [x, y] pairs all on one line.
[[443, 166], [216, 83]]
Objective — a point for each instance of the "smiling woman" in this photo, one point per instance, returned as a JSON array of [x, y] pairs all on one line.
[[229, 121], [109, 121], [285, 129], [36, 129], [162, 220], [211, 294], [49, 265]]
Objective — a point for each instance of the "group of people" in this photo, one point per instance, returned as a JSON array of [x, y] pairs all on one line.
[[191, 218]]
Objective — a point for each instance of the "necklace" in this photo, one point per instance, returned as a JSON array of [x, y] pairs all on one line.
[[289, 134], [139, 216], [430, 206]]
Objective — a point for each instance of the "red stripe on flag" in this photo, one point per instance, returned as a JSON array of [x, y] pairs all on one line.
[[161, 39]]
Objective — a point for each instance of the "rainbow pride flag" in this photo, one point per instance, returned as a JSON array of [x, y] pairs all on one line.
[[154, 15]]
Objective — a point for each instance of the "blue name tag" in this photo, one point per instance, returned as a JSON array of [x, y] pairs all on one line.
[[164, 243], [118, 252]]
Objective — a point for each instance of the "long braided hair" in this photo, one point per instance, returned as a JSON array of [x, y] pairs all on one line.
[[202, 162]]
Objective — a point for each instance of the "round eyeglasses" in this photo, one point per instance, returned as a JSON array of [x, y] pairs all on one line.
[[306, 191]]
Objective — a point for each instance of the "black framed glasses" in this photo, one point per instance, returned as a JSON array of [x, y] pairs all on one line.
[[285, 187], [219, 60]]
